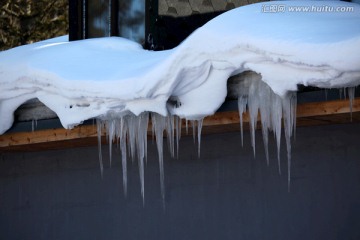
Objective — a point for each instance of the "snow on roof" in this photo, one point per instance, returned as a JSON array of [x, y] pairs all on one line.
[[313, 43]]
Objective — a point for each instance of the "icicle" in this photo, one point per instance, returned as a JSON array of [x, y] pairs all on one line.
[[242, 102], [106, 127], [122, 135], [142, 177], [153, 132], [145, 124], [180, 127], [289, 103], [159, 123], [178, 134], [193, 123], [99, 126], [131, 135], [110, 133], [253, 106], [276, 116], [187, 127], [170, 134], [140, 132], [33, 125], [264, 94], [351, 93], [199, 128], [141, 137]]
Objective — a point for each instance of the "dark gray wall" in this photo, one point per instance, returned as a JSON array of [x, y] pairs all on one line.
[[227, 194]]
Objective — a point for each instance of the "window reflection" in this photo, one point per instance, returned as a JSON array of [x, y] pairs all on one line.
[[124, 18]]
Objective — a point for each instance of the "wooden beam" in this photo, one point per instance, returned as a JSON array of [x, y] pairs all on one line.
[[327, 108], [307, 114]]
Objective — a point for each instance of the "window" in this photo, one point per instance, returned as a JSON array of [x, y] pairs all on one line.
[[104, 18]]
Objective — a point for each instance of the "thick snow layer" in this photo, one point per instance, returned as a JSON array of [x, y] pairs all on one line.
[[111, 77]]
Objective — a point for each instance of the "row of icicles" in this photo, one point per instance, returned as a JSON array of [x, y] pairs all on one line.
[[130, 132]]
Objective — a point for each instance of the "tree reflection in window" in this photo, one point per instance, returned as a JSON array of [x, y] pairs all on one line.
[[124, 18]]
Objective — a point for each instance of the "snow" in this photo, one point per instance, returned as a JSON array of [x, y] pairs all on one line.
[[116, 81]]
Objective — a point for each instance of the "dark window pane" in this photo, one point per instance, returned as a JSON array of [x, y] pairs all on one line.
[[124, 18], [98, 23], [132, 19]]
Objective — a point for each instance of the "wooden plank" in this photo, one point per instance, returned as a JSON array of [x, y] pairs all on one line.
[[327, 108], [308, 114]]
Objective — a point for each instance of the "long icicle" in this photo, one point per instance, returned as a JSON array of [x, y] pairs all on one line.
[[159, 123], [264, 93], [141, 122], [199, 128], [99, 126], [123, 148], [111, 133], [253, 107], [289, 103], [193, 123], [178, 134], [242, 102]]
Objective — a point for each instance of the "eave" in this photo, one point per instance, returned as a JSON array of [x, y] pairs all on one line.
[[312, 110]]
